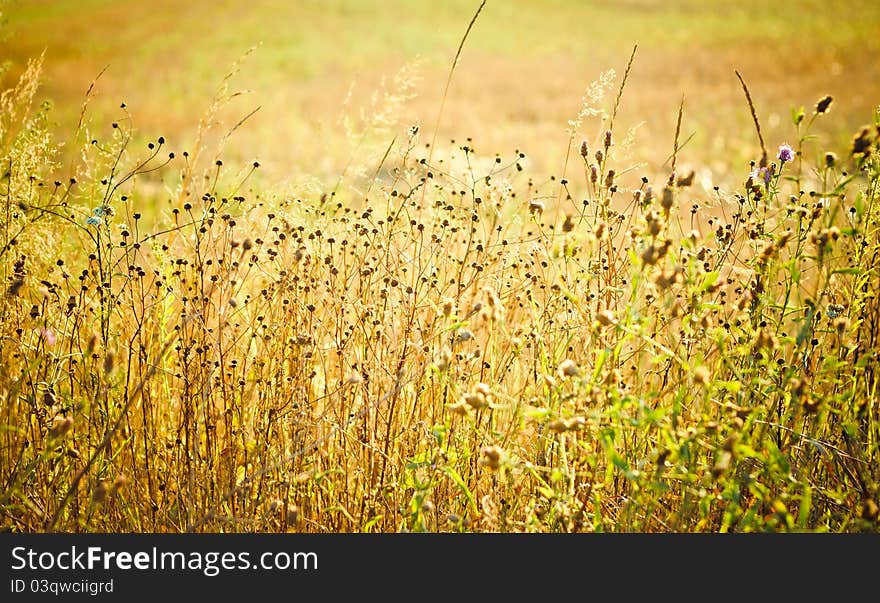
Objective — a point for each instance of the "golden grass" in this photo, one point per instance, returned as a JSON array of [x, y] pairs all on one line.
[[442, 339]]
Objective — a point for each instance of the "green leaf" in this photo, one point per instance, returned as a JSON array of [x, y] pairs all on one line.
[[842, 184], [797, 115], [456, 477], [538, 413], [731, 386], [709, 280]]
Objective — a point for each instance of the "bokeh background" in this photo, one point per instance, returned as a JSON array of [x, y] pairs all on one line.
[[335, 80]]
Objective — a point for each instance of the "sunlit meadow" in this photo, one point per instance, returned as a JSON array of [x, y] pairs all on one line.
[[546, 266]]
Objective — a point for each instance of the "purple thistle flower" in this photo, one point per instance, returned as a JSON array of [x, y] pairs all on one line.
[[764, 174], [786, 153]]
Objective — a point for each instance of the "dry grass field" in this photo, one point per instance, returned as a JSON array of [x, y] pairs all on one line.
[[291, 267]]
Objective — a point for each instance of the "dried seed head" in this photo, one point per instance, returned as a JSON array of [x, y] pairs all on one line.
[[654, 254], [861, 144], [702, 376], [459, 408], [705, 320], [667, 200], [722, 464], [585, 150], [99, 494], [810, 404], [834, 310], [292, 515], [654, 224], [448, 307], [60, 426], [561, 425], [744, 300], [684, 181], [823, 104], [730, 441], [536, 207], [608, 141], [109, 361], [609, 179], [766, 340], [492, 456], [605, 318], [118, 484], [767, 253], [475, 400], [445, 359], [568, 225], [558, 425], [665, 279], [464, 335], [798, 388], [568, 368], [830, 159]]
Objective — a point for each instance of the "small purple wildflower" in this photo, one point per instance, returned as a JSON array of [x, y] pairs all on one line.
[[786, 153], [48, 335], [761, 174]]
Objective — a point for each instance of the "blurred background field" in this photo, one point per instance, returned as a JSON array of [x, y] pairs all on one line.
[[320, 65]]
